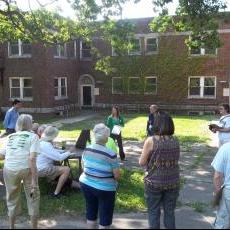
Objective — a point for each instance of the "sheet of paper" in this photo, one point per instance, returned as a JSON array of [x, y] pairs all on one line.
[[116, 130]]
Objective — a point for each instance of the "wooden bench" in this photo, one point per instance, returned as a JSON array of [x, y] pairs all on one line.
[[68, 110]]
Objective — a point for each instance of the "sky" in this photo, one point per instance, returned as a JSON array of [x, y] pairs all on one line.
[[130, 10]]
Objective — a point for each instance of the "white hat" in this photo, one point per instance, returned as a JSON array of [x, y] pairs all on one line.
[[49, 134]]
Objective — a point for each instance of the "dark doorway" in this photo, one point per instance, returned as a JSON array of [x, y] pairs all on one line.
[[87, 96]]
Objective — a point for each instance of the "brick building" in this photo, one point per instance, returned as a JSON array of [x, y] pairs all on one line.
[[162, 71]]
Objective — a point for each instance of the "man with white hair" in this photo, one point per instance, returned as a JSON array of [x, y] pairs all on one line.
[[153, 111], [45, 162], [20, 155], [41, 130], [99, 179]]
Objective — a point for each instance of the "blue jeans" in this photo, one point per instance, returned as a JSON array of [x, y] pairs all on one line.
[[223, 215], [98, 201], [155, 199]]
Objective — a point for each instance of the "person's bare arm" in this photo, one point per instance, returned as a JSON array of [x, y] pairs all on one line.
[[218, 181], [148, 146], [33, 170], [223, 130], [3, 152], [116, 174]]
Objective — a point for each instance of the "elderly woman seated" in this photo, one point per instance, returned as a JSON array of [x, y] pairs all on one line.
[[99, 179], [46, 162]]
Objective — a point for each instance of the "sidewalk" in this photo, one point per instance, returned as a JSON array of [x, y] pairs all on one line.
[[72, 120], [186, 219]]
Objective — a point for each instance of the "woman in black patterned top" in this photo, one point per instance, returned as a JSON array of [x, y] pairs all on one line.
[[160, 156]]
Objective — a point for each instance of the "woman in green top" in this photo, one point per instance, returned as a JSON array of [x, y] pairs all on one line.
[[115, 121]]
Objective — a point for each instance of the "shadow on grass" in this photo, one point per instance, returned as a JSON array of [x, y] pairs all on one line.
[[193, 139], [130, 196]]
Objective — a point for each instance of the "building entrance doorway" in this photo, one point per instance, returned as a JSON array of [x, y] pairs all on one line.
[[87, 85], [87, 96]]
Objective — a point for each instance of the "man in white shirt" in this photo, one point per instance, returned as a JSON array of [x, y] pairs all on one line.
[[224, 125], [20, 152], [221, 165], [46, 159]]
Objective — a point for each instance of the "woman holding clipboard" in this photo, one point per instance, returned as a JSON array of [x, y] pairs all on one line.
[[115, 121]]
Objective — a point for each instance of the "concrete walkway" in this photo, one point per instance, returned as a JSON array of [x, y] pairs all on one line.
[[82, 117], [122, 221]]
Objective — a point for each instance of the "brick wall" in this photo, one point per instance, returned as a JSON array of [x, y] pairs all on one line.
[[42, 67], [172, 86]]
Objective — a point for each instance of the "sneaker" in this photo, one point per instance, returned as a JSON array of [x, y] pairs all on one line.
[[123, 159], [58, 196]]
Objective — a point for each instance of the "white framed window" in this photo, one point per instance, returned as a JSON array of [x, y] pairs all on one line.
[[114, 54], [72, 49], [136, 46], [117, 85], [85, 51], [60, 88], [19, 48], [60, 51], [151, 85], [202, 87], [134, 85], [151, 45], [203, 51], [21, 88]]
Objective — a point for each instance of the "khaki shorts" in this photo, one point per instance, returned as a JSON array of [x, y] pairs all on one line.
[[13, 181], [51, 173]]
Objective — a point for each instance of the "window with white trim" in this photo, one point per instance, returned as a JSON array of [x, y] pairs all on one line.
[[85, 50], [136, 46], [134, 85], [72, 49], [60, 51], [21, 88], [151, 45], [60, 88], [114, 53], [150, 85], [19, 49], [203, 51], [202, 87], [117, 85]]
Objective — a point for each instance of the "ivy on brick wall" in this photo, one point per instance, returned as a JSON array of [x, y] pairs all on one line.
[[172, 66]]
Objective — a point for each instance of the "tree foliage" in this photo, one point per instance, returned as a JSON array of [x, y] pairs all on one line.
[[38, 25], [200, 17]]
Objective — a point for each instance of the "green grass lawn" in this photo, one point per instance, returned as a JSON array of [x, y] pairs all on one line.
[[1, 127], [188, 129], [130, 195]]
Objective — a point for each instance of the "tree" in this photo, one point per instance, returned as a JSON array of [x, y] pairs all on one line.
[[198, 16]]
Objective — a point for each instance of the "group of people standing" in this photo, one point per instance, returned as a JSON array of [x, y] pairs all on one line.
[[30, 153]]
